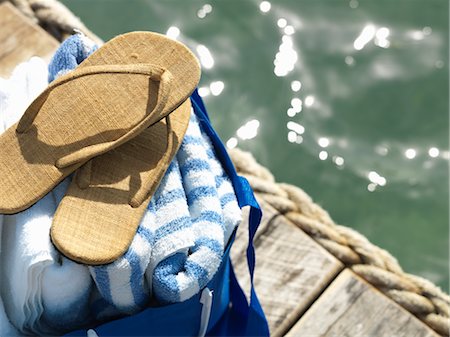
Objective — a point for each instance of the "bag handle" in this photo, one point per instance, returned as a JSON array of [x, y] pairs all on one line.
[[244, 318]]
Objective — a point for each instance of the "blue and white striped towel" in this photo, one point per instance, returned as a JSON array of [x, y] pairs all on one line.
[[180, 241]]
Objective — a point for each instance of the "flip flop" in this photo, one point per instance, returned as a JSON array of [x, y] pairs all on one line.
[[97, 219], [130, 83]]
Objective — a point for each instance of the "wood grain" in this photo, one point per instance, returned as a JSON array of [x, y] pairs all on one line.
[[20, 39], [351, 307], [292, 269]]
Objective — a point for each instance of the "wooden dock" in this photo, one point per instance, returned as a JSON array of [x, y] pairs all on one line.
[[304, 290]]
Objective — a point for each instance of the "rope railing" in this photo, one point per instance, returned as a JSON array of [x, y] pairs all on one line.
[[54, 17], [417, 295]]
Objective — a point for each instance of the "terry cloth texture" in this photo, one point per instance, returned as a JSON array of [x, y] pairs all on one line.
[[40, 288], [176, 251]]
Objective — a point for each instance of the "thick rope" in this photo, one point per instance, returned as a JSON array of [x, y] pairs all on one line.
[[417, 295], [54, 17]]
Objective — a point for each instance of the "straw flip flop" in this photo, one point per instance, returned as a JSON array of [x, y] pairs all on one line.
[[130, 83], [97, 219]]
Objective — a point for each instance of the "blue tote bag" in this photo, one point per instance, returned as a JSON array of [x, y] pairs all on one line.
[[230, 314]]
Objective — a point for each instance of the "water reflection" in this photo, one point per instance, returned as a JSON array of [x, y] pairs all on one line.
[[376, 178], [366, 35], [323, 155], [286, 57], [410, 153], [296, 127], [173, 32], [296, 86], [339, 161], [249, 130], [204, 11], [323, 142], [433, 152], [216, 88], [205, 56], [309, 100], [381, 37], [265, 6], [281, 22]]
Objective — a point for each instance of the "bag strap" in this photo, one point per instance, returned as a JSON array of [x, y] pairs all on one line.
[[243, 318]]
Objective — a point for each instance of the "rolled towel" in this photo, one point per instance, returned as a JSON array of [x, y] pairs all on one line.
[[38, 286], [213, 215]]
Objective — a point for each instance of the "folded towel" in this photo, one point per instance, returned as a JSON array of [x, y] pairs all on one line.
[[6, 328], [39, 287], [180, 240], [212, 214]]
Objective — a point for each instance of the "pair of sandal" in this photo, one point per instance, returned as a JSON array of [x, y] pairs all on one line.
[[117, 120]]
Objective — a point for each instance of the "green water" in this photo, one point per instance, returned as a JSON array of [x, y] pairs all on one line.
[[373, 98]]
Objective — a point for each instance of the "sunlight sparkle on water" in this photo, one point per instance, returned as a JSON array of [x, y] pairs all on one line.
[[232, 143], [286, 57], [289, 30], [296, 86], [291, 112], [366, 35], [173, 32], [281, 22], [353, 4], [371, 187], [433, 152], [339, 161], [377, 179], [216, 88], [349, 60], [265, 6], [204, 91], [205, 10], [410, 153], [205, 56], [249, 130], [296, 104], [298, 128], [323, 142], [309, 100], [323, 155], [381, 37]]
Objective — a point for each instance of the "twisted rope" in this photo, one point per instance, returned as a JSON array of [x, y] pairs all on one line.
[[417, 295], [54, 17]]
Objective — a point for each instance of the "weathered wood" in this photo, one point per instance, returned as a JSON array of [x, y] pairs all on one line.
[[292, 269], [352, 307], [20, 39]]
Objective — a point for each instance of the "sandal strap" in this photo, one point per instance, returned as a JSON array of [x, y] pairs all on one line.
[[83, 176], [84, 154]]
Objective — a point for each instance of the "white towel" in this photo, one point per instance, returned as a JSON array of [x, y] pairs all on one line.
[[25, 83], [43, 292]]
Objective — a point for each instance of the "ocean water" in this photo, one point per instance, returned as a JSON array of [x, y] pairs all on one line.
[[346, 99]]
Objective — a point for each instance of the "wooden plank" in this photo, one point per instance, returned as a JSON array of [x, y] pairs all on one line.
[[20, 39], [352, 307], [292, 269]]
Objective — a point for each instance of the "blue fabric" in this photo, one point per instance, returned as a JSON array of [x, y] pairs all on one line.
[[243, 318], [183, 319]]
